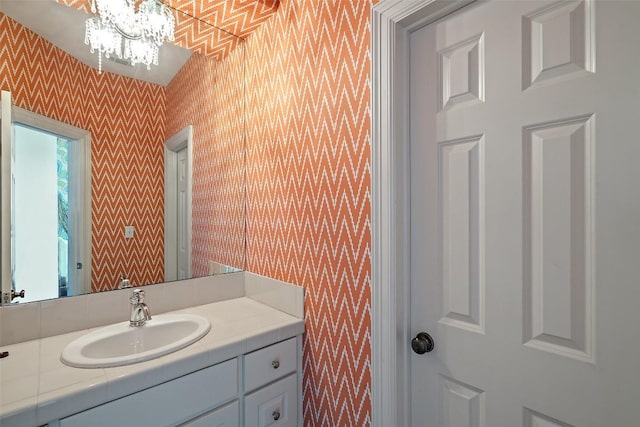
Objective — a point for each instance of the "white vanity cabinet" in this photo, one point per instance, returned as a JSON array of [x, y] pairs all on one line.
[[256, 389]]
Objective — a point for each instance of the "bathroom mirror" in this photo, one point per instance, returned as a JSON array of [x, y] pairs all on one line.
[[161, 150]]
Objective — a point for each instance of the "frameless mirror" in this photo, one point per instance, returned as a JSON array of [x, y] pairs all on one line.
[[122, 177]]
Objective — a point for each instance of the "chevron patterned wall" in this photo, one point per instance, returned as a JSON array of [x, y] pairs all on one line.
[[209, 94], [308, 195], [126, 118], [237, 17]]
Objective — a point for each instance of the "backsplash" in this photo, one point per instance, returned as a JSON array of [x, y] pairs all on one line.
[[25, 322]]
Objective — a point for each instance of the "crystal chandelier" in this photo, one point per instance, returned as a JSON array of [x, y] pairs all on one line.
[[118, 30]]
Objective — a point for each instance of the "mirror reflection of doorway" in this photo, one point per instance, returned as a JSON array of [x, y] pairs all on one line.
[[178, 163], [42, 238], [50, 207]]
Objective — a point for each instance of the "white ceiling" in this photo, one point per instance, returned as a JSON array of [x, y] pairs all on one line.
[[64, 27]]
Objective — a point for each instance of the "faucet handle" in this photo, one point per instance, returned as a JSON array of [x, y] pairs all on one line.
[[137, 297]]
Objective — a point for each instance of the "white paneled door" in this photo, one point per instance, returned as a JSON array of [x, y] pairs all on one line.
[[183, 215], [525, 215]]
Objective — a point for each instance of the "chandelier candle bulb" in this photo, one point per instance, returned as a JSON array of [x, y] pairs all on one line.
[[118, 29]]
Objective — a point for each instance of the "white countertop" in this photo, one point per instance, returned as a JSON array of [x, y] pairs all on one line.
[[36, 387]]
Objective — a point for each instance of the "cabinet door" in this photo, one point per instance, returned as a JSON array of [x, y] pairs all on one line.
[[165, 404], [227, 416], [274, 405]]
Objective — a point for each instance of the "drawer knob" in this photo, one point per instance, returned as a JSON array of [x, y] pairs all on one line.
[[275, 364], [276, 415]]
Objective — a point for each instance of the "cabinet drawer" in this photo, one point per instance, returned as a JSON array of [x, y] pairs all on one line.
[[165, 404], [269, 364], [227, 416], [274, 405]]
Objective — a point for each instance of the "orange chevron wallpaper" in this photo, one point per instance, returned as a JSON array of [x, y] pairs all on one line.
[[238, 17], [127, 147], [308, 195], [209, 95]]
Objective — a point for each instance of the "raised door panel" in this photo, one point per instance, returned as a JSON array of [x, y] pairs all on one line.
[[558, 234], [462, 404], [461, 195], [558, 42]]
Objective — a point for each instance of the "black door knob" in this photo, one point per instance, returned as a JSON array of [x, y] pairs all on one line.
[[422, 343]]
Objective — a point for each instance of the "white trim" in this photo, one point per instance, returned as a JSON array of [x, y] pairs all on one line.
[[391, 23], [82, 154], [300, 364], [181, 140]]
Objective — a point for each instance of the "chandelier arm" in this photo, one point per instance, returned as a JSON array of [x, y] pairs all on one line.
[[126, 35]]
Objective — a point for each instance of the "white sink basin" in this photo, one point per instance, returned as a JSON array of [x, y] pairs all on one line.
[[121, 344]]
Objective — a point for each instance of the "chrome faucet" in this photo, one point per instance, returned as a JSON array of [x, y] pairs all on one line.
[[139, 311]]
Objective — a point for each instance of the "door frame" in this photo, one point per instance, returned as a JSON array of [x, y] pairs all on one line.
[[181, 140], [5, 198], [392, 21]]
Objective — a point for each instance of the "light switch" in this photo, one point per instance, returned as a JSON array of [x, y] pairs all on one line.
[[128, 231]]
